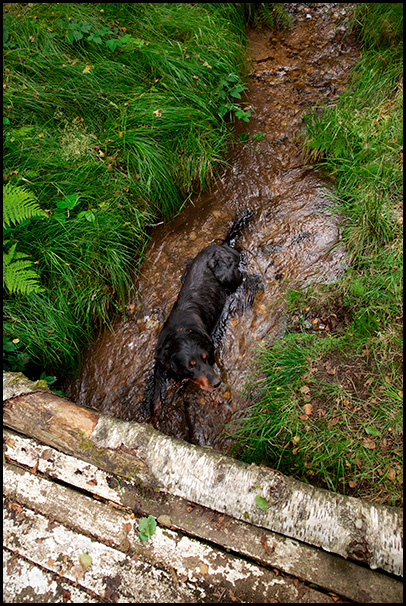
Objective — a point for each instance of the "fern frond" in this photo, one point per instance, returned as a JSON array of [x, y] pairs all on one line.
[[18, 277], [19, 204]]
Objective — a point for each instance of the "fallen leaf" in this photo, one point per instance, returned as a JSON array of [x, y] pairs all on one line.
[[308, 409], [264, 543], [127, 527], [391, 474], [351, 484], [296, 439], [85, 561], [305, 389], [368, 443], [204, 569], [261, 502], [157, 113]]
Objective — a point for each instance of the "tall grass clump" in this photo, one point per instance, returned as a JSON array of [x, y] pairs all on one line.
[[113, 116], [338, 423]]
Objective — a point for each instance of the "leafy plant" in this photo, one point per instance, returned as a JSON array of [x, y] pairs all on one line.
[[19, 204], [146, 528], [232, 86], [14, 359], [19, 276], [75, 30], [111, 139], [261, 502]]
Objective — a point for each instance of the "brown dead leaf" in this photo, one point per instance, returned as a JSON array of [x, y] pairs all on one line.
[[264, 544], [308, 409], [204, 569], [351, 484], [296, 439], [305, 389], [392, 474], [369, 443], [16, 507]]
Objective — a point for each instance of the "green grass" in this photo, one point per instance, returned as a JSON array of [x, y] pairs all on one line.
[[337, 420], [113, 116]]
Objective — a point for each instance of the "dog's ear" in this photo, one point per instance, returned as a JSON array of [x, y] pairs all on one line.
[[164, 349]]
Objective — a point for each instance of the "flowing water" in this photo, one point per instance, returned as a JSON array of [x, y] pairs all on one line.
[[289, 242]]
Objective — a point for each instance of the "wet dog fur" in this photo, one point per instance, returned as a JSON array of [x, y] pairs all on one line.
[[185, 347]]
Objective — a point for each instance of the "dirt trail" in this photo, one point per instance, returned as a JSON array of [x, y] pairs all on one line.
[[288, 243]]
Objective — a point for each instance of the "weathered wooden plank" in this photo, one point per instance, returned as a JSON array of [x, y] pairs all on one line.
[[26, 582], [346, 526], [112, 575], [207, 571], [308, 563]]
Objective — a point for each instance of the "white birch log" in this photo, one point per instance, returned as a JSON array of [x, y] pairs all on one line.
[[349, 527]]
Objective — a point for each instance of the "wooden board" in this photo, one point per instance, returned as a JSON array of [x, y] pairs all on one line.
[[201, 496]]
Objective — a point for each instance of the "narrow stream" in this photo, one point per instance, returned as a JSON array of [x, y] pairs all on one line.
[[289, 243]]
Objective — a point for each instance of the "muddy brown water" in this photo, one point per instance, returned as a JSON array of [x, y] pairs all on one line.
[[289, 243]]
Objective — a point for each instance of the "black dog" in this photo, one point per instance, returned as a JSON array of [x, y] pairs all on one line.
[[185, 348]]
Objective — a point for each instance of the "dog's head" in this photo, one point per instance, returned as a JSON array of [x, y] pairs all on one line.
[[188, 355]]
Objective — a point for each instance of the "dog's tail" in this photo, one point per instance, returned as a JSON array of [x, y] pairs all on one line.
[[236, 228]]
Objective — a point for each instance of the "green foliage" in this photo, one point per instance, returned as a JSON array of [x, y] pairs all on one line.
[[14, 359], [19, 205], [261, 502], [232, 87], [272, 14], [114, 116], [17, 273], [146, 528], [380, 24], [327, 406]]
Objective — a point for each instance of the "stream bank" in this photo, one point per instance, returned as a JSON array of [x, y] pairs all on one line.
[[291, 242]]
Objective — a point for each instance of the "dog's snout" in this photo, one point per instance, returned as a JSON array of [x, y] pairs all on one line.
[[216, 382], [208, 382]]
